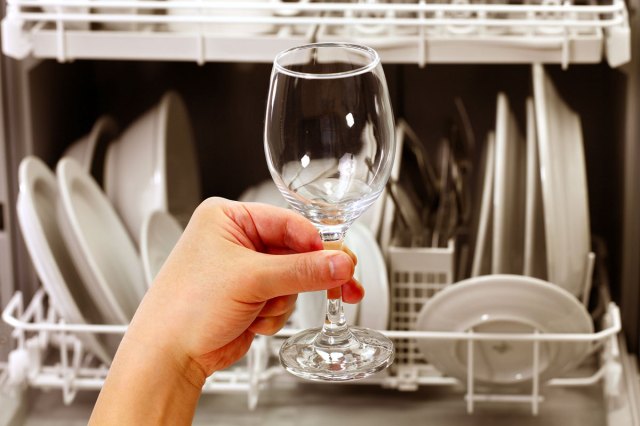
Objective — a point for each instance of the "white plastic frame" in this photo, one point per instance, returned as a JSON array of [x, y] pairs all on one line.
[[38, 328], [420, 32]]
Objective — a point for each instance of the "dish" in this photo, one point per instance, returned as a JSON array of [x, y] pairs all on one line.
[[508, 193], [504, 304], [564, 186], [160, 233], [481, 264], [373, 311], [371, 272], [535, 262], [100, 248], [311, 309], [36, 215], [86, 149], [153, 166], [241, 28], [384, 201], [265, 192]]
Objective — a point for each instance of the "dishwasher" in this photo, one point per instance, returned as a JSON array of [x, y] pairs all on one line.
[[493, 76]]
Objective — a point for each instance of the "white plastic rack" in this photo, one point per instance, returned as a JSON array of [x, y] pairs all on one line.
[[454, 31], [38, 328]]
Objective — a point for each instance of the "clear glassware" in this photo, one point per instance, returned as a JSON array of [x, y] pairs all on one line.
[[329, 143]]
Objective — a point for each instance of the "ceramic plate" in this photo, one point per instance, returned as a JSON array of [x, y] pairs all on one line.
[[265, 192], [99, 245], [535, 255], [36, 216], [371, 271], [388, 211], [311, 306], [504, 304], [508, 193], [564, 186], [160, 233], [482, 244]]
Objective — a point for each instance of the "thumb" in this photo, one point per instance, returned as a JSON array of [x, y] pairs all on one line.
[[281, 275]]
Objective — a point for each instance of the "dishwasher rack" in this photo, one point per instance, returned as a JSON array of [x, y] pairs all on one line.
[[38, 328], [455, 31]]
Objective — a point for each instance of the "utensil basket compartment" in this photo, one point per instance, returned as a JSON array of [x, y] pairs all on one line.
[[416, 274]]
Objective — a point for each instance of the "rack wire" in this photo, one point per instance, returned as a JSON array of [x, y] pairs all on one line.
[[37, 329], [458, 31]]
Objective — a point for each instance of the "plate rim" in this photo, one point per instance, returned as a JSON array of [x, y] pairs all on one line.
[[560, 239], [512, 281], [32, 170], [69, 173], [373, 270]]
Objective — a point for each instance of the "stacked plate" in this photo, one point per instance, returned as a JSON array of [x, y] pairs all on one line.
[[81, 241], [531, 242], [533, 217]]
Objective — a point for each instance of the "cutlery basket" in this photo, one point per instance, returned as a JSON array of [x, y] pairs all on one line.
[[416, 274]]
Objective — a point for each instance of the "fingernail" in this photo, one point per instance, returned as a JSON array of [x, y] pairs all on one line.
[[340, 266]]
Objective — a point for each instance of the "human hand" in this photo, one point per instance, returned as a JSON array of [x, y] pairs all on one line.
[[235, 272]]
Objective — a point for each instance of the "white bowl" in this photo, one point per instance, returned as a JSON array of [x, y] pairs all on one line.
[[153, 166], [89, 151], [226, 28]]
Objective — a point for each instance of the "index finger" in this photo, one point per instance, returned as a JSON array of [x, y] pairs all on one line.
[[270, 227]]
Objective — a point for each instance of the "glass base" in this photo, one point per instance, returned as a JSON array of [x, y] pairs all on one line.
[[363, 353]]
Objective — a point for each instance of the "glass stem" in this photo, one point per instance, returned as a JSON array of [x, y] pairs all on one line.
[[335, 330]]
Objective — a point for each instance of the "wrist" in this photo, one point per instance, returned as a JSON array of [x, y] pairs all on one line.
[[166, 356], [147, 384]]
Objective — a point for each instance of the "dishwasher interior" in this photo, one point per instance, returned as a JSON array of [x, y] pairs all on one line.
[[225, 101]]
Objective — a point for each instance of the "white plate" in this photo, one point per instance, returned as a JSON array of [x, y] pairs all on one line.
[[535, 255], [265, 192], [564, 186], [509, 193], [371, 271], [503, 304], [311, 309], [482, 244], [36, 214], [153, 166], [311, 306], [99, 245], [385, 201], [160, 233], [90, 150]]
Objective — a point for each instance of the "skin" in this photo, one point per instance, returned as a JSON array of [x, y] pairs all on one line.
[[235, 273]]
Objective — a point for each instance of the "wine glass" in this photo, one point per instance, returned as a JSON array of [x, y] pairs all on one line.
[[329, 143]]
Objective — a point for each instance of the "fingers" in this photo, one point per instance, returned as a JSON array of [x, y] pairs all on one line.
[[295, 273], [351, 254], [269, 326], [271, 227], [278, 306], [277, 311], [352, 292]]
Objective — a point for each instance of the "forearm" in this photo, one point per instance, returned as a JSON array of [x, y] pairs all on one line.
[[147, 386]]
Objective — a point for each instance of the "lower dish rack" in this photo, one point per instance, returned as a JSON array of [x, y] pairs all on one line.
[[37, 329]]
